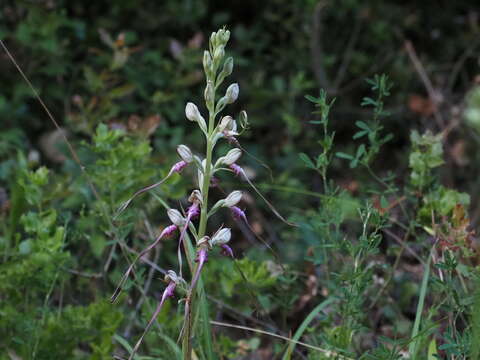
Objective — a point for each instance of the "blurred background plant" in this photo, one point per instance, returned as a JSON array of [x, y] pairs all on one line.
[[387, 223]]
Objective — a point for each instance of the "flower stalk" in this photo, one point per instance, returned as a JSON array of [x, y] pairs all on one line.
[[224, 128]]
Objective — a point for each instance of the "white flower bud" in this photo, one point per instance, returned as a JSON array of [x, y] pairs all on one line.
[[227, 67], [185, 153], [232, 156], [233, 198], [209, 93], [232, 93], [218, 54], [225, 36], [207, 62], [213, 39], [176, 217], [222, 37], [221, 237], [192, 114]]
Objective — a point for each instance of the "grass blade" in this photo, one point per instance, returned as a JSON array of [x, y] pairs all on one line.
[[301, 329], [413, 347]]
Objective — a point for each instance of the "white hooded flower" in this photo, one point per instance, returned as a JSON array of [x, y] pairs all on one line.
[[221, 237], [185, 153], [232, 93], [176, 217], [231, 157], [233, 198]]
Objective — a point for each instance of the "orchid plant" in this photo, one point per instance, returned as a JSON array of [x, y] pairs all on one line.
[[216, 69]]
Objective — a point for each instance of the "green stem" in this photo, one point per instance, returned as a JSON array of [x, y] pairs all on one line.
[[191, 298]]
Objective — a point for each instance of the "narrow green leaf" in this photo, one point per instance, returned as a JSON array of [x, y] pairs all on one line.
[[362, 125], [306, 159], [432, 350], [413, 347], [343, 155], [359, 134], [303, 326]]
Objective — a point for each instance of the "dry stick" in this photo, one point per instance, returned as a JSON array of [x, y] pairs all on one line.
[[148, 262], [434, 96], [404, 244], [328, 353]]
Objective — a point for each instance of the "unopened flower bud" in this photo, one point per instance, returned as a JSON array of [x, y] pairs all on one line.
[[209, 93], [207, 62], [225, 36], [185, 153], [176, 217], [227, 67], [232, 93], [218, 54], [191, 112], [221, 237], [213, 39], [233, 198]]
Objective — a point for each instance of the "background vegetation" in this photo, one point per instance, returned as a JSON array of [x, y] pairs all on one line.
[[383, 182]]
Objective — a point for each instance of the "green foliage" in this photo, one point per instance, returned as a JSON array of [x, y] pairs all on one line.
[[117, 74], [372, 131], [472, 108], [426, 155], [33, 267], [441, 202]]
